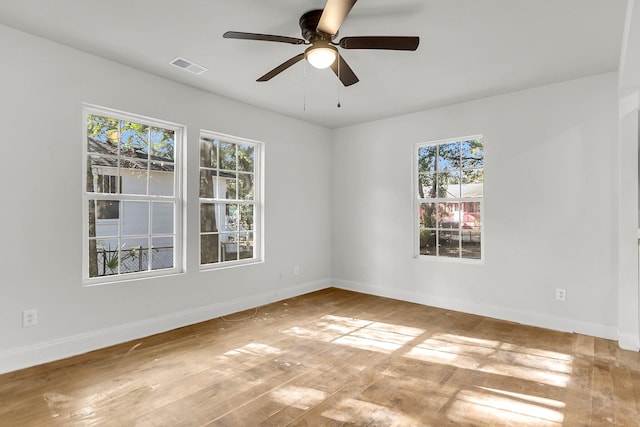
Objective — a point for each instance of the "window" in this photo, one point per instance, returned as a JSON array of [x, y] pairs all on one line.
[[132, 196], [230, 200], [450, 195]]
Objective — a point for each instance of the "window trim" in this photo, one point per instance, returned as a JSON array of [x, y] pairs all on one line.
[[259, 203], [416, 201], [178, 198]]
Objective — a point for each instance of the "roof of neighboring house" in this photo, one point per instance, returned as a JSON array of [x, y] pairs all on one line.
[[131, 159], [472, 190]]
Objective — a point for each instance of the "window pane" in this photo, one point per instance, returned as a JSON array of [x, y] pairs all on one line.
[[449, 215], [472, 154], [471, 247], [161, 218], [427, 186], [449, 243], [232, 217], [427, 242], [162, 144], [439, 190], [245, 186], [134, 176], [245, 158], [246, 247], [427, 158], [228, 156], [98, 166], [473, 183], [448, 156], [209, 248], [134, 255], [229, 246], [107, 257], [208, 180], [103, 218], [208, 152], [161, 253], [451, 184], [134, 141], [228, 188], [208, 218], [246, 218], [135, 218], [471, 215], [428, 212], [101, 130], [161, 178]]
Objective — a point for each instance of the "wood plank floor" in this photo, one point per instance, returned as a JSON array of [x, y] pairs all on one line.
[[336, 358]]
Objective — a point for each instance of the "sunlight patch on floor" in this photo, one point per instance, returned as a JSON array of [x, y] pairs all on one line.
[[496, 358], [358, 333], [527, 397], [302, 398], [254, 349], [496, 407], [443, 357], [531, 374], [358, 412]]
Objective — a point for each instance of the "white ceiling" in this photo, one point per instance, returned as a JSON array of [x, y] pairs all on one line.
[[468, 48]]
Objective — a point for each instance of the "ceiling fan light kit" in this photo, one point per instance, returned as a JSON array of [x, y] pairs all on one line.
[[321, 56], [319, 29]]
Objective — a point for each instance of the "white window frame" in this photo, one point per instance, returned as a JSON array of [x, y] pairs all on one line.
[[258, 203], [177, 198], [417, 202]]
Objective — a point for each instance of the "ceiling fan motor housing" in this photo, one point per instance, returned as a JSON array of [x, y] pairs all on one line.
[[308, 25]]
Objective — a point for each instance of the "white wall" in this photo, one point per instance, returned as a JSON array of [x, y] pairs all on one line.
[[550, 207], [628, 208], [42, 88]]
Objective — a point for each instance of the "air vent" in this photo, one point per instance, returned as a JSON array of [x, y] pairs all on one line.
[[188, 65]]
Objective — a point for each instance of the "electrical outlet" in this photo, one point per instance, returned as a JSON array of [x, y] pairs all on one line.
[[561, 294], [29, 318], [296, 270]]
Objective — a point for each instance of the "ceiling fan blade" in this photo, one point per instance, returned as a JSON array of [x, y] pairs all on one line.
[[280, 68], [380, 42], [262, 37], [333, 15], [344, 72]]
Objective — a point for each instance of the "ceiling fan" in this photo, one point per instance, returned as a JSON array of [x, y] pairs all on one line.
[[319, 29]]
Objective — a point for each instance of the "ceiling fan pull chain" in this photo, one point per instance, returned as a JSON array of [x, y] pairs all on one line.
[[338, 81], [304, 86]]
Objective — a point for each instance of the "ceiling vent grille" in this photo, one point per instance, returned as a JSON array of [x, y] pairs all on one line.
[[188, 65]]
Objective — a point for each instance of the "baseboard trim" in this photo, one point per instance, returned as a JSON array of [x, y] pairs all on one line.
[[49, 351], [541, 320], [628, 342]]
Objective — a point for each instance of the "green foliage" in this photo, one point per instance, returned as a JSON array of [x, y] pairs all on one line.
[[134, 139], [113, 258]]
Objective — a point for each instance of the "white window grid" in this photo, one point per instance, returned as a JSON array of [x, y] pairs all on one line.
[[418, 201], [175, 199]]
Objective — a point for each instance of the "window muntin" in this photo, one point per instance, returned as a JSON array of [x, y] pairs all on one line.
[[230, 203], [132, 209], [450, 196]]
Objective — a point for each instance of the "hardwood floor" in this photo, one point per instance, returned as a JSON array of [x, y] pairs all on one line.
[[334, 358]]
